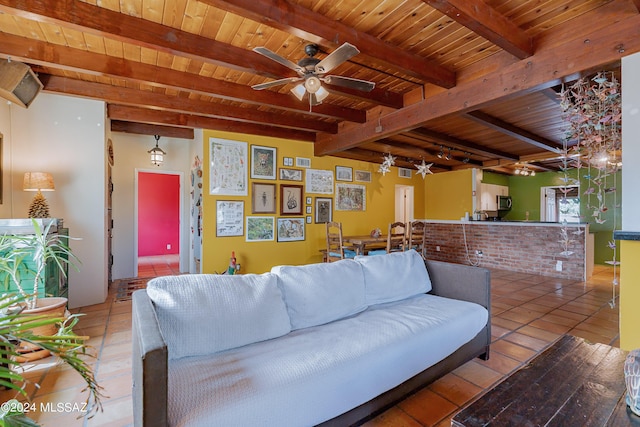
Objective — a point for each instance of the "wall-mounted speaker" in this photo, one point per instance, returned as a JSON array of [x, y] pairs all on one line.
[[18, 83]]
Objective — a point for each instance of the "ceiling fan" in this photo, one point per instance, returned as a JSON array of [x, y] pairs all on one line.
[[312, 72]]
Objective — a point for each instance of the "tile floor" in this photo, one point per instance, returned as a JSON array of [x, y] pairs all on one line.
[[529, 313]]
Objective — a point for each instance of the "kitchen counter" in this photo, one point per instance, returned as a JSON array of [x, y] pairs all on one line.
[[524, 246], [505, 222]]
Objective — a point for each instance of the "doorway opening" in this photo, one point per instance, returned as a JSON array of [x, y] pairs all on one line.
[[560, 203], [158, 223], [404, 203]]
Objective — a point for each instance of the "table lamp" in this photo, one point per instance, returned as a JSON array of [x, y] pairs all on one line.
[[38, 181]]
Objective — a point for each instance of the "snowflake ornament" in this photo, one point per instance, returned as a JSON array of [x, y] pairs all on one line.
[[424, 169]]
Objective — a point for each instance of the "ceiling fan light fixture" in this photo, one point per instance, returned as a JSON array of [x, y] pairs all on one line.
[[299, 91], [312, 84], [322, 94]]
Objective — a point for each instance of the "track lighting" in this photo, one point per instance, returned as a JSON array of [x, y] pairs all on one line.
[[448, 156], [441, 153]]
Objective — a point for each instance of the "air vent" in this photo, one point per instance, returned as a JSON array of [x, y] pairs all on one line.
[[404, 173]]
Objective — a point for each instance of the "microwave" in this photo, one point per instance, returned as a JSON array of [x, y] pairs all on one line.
[[504, 203]]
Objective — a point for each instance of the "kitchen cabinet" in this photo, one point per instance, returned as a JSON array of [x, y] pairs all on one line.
[[489, 194]]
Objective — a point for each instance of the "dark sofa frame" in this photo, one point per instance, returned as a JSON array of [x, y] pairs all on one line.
[[448, 280]]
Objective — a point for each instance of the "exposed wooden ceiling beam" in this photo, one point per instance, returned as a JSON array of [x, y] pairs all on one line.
[[544, 69], [453, 142], [144, 115], [636, 3], [488, 23], [375, 157], [149, 99], [145, 129], [317, 28], [511, 130], [53, 56], [141, 32]]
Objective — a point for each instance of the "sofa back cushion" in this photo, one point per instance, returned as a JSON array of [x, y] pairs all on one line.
[[205, 313], [394, 276], [316, 294]]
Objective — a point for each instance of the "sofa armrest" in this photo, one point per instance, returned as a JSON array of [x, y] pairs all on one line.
[[466, 283], [461, 282], [149, 367]]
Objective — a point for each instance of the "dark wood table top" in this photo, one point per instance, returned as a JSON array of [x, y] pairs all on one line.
[[572, 383]]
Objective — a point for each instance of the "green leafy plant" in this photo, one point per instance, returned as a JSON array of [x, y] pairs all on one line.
[[17, 254], [70, 348], [41, 247]]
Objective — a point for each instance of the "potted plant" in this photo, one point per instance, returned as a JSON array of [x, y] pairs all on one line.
[[25, 322], [16, 327], [24, 260]]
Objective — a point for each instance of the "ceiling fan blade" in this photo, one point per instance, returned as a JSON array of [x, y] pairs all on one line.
[[279, 59], [350, 83], [337, 57], [276, 83]]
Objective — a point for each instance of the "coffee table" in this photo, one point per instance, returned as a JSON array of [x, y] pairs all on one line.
[[572, 383]]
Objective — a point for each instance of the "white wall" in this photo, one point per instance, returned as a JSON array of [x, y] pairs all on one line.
[[630, 142], [130, 155], [66, 137]]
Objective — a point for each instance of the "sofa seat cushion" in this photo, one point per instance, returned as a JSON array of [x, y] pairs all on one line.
[[204, 313], [394, 276], [314, 374], [321, 293]]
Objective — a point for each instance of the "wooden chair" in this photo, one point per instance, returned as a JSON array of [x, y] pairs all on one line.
[[417, 237], [396, 239], [335, 248]]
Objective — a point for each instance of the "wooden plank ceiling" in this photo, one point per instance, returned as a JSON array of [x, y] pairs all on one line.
[[474, 79]]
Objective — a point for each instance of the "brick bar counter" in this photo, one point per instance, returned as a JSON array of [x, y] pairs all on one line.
[[523, 246]]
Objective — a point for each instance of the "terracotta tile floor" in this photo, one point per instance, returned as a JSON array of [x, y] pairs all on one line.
[[529, 313]]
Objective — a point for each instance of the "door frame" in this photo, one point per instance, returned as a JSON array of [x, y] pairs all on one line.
[[181, 245], [400, 194]]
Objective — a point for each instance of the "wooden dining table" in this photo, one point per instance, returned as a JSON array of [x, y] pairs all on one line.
[[364, 242]]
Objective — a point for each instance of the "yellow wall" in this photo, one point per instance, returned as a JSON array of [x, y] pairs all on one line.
[[629, 294], [258, 257], [449, 195]]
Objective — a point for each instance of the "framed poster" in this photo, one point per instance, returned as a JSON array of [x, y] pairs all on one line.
[[291, 199], [228, 167], [319, 181], [263, 197], [263, 162], [363, 176], [287, 161], [290, 229], [260, 228], [344, 173], [350, 197], [229, 218], [290, 174], [324, 210]]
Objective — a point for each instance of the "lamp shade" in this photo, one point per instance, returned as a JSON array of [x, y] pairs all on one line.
[[38, 181]]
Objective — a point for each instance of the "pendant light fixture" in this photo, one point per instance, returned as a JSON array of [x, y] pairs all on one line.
[[157, 154]]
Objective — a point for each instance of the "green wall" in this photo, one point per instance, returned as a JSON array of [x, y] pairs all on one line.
[[525, 192]]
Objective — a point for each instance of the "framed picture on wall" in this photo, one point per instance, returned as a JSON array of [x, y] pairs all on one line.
[[263, 162], [290, 174], [290, 229], [350, 197], [319, 181], [344, 173], [363, 176], [228, 167], [263, 197], [291, 201], [229, 218], [324, 210], [260, 228]]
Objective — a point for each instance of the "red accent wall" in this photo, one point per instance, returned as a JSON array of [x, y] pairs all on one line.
[[158, 213]]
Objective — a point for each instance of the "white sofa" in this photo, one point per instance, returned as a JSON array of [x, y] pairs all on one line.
[[331, 343]]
